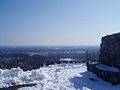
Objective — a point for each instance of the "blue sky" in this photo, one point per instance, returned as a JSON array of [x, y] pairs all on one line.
[[57, 22]]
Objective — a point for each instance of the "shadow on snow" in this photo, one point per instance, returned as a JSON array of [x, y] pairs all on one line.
[[88, 80]]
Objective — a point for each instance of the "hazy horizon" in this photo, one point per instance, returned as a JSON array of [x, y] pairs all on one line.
[[50, 46], [57, 22]]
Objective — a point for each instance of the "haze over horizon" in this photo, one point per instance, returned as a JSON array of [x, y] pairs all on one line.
[[57, 22]]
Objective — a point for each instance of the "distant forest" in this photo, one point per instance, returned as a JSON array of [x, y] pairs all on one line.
[[34, 57]]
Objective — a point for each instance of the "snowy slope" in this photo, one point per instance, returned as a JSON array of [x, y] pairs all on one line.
[[55, 77]]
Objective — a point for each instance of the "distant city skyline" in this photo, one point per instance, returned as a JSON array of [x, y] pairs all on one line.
[[57, 22]]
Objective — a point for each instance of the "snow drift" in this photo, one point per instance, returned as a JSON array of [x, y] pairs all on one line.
[[55, 77]]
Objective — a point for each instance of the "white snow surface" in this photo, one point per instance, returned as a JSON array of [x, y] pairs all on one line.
[[55, 77], [107, 68]]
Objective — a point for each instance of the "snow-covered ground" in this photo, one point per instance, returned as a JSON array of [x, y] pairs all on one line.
[[55, 77], [107, 68]]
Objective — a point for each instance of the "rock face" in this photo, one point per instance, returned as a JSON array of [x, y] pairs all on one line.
[[109, 76], [110, 50], [109, 56]]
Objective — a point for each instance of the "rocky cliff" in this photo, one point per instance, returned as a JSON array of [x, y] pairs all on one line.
[[110, 50]]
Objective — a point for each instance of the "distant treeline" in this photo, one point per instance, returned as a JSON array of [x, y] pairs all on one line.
[[25, 61], [31, 58]]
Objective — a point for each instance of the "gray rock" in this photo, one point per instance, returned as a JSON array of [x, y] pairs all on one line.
[[109, 76], [110, 50], [109, 56]]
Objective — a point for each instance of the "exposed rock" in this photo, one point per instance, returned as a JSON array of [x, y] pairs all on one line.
[[109, 56], [110, 50], [109, 76]]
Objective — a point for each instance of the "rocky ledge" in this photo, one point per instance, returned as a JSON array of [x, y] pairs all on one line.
[[110, 50], [107, 74], [108, 59]]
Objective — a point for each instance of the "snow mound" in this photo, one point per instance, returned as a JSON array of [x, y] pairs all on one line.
[[17, 76], [55, 77]]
